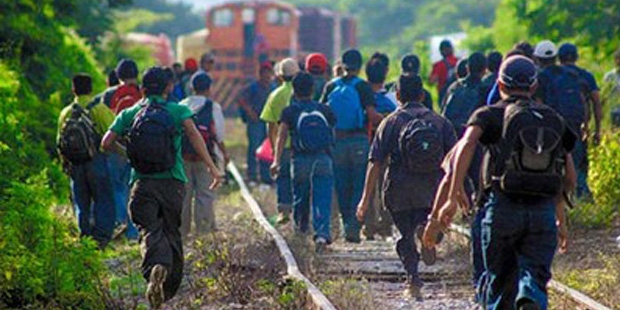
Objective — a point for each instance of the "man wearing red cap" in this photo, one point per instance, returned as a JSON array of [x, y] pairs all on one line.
[[316, 65], [191, 66]]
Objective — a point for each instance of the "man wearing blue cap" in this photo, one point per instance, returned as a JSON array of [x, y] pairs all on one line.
[[209, 120], [523, 215], [568, 55], [154, 130], [353, 102]]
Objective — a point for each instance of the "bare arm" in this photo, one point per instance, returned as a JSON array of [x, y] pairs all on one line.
[[279, 148], [372, 174], [248, 110], [598, 115], [201, 148], [373, 117], [108, 141], [272, 132]]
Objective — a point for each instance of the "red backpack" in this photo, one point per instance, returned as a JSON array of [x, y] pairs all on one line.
[[124, 97]]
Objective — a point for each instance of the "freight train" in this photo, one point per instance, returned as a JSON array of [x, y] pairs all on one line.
[[243, 33]]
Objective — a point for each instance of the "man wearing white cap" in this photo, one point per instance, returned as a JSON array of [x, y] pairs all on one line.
[[276, 102]]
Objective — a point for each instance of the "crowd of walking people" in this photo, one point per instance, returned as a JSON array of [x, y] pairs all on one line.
[[506, 143]]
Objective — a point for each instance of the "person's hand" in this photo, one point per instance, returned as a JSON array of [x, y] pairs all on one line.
[[362, 207], [562, 238], [431, 232], [447, 212], [274, 169], [218, 178], [226, 159]]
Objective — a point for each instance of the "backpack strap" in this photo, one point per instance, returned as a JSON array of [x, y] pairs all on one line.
[[91, 105]]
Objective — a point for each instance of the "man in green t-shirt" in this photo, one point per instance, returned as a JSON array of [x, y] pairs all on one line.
[[279, 99], [156, 199]]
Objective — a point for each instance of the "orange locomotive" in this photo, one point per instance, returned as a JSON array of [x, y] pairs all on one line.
[[244, 33]]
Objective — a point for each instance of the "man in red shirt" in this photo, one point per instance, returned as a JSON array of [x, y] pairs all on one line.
[[443, 69]]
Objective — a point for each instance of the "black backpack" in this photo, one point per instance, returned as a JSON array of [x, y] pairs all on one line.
[[420, 143], [531, 157], [203, 120], [150, 141], [79, 141]]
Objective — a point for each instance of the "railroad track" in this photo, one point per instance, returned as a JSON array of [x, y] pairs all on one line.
[[447, 283]]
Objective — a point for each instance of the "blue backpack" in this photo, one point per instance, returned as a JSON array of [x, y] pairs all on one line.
[[462, 101], [312, 131], [345, 102], [384, 104], [150, 145], [564, 93]]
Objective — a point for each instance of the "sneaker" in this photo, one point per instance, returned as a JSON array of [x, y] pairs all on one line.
[[320, 244], [528, 305], [155, 289], [429, 256], [353, 239], [412, 291], [252, 184], [284, 217]]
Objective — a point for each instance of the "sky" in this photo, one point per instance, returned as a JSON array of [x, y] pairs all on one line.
[[200, 5]]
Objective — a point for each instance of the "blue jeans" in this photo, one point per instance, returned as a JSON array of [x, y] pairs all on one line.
[[580, 158], [407, 222], [519, 241], [313, 181], [92, 193], [350, 160], [120, 171], [476, 246], [284, 184], [257, 132]]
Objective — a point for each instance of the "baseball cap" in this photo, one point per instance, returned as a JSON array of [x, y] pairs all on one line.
[[352, 59], [545, 49], [568, 51], [410, 64], [518, 72], [207, 57], [288, 67], [201, 81], [266, 65], [316, 63], [127, 69], [303, 84], [155, 80], [191, 64]]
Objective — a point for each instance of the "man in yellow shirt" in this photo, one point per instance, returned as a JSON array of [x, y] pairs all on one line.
[[80, 127], [279, 99]]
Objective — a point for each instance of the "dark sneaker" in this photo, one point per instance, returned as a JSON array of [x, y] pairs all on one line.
[[528, 305], [429, 256], [320, 244], [353, 239], [283, 217], [155, 289]]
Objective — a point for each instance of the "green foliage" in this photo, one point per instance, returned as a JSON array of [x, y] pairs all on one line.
[[604, 181], [42, 260]]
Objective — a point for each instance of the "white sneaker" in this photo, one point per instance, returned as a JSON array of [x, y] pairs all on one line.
[[320, 244]]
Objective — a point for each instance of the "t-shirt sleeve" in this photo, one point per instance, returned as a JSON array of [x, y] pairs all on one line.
[[218, 121], [592, 85], [121, 123], [367, 96], [380, 150], [329, 115], [288, 116], [489, 122], [329, 87], [268, 114]]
